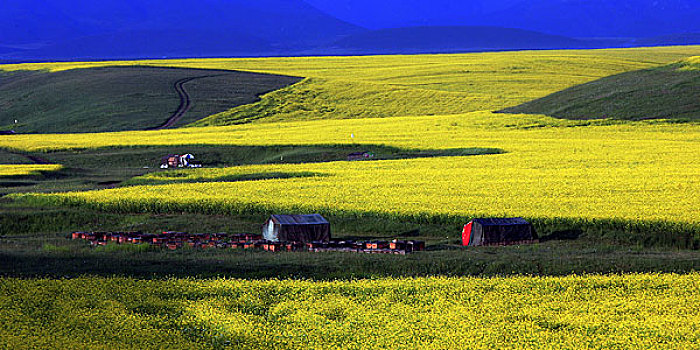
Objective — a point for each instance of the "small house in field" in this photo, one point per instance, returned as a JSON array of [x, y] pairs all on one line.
[[497, 232], [360, 156], [297, 228], [179, 161]]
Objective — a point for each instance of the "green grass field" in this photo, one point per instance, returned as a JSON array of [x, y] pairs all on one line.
[[387, 86], [637, 178], [615, 203], [121, 98], [644, 94]]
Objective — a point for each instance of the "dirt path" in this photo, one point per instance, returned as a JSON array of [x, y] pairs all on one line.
[[185, 102], [37, 160], [34, 159]]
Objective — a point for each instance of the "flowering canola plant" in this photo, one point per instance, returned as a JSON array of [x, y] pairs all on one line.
[[548, 169], [26, 169], [595, 312], [646, 171]]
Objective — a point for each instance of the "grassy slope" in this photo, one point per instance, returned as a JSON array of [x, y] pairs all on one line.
[[551, 170], [121, 98], [107, 167], [386, 86], [598, 191], [668, 92], [558, 158]]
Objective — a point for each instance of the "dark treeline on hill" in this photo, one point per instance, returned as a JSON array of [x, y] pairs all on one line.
[[41, 30]]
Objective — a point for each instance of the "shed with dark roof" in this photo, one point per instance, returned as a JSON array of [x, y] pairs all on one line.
[[297, 228], [497, 231]]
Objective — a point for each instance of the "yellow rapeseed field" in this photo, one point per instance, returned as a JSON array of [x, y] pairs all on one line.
[[550, 169], [691, 63], [413, 85], [585, 171], [26, 169], [574, 312], [643, 171]]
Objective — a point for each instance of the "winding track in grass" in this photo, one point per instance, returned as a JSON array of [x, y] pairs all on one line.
[[125, 98], [34, 159], [185, 102]]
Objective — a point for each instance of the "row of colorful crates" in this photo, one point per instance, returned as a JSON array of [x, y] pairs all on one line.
[[396, 244], [164, 238], [176, 240]]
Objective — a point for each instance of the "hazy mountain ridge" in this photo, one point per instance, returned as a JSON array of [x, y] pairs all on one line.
[[213, 27], [453, 38], [602, 18], [576, 18], [110, 29]]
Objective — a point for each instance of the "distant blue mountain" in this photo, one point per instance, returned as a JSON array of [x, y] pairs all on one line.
[[452, 39], [89, 29], [575, 18], [77, 28], [664, 40], [603, 18], [157, 44]]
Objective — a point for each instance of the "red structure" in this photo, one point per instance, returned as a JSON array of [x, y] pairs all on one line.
[[508, 231]]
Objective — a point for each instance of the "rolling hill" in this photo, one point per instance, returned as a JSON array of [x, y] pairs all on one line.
[[668, 92], [615, 205], [122, 98]]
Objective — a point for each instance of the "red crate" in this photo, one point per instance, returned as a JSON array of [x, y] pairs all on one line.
[[272, 248], [218, 236], [396, 245], [381, 245], [253, 237], [314, 245]]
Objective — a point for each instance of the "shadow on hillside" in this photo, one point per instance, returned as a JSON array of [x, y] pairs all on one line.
[[541, 259], [107, 167]]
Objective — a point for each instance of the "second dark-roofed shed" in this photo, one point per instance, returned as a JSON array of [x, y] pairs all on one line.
[[297, 228], [497, 231]]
